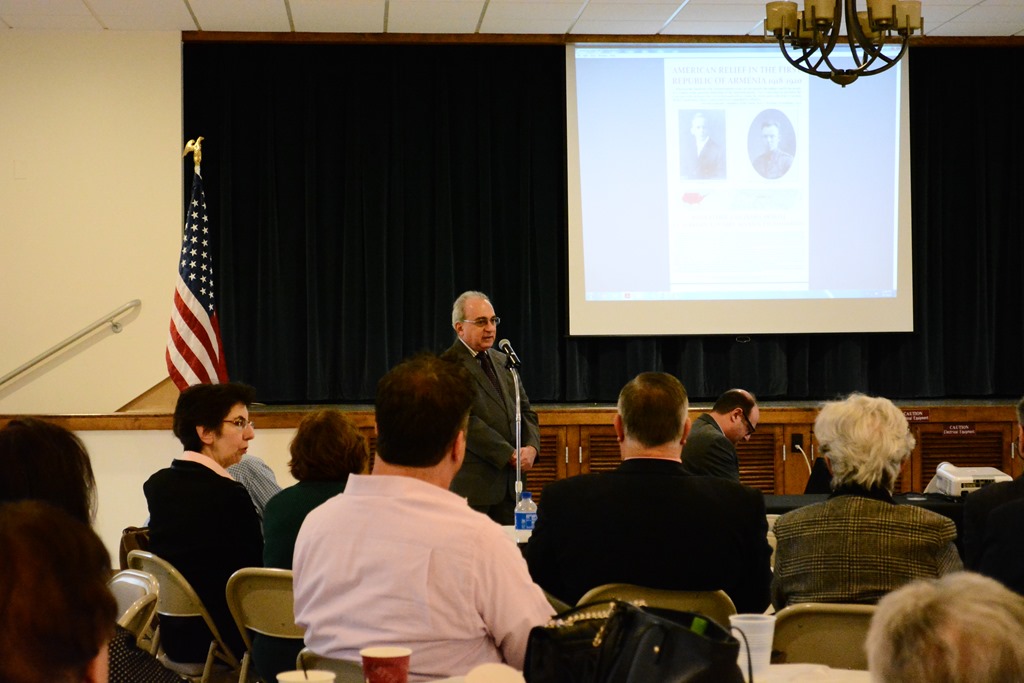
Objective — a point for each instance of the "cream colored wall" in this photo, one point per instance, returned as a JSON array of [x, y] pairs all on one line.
[[90, 212], [123, 460]]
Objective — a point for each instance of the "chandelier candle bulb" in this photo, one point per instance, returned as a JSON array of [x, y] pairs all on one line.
[[823, 12], [780, 16], [865, 25], [909, 14], [804, 29], [882, 12]]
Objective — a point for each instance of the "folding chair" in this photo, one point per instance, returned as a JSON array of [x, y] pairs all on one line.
[[823, 633], [344, 670], [178, 599], [136, 593], [261, 600], [714, 604]]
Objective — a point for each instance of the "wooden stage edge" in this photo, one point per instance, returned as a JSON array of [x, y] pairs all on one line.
[[287, 417]]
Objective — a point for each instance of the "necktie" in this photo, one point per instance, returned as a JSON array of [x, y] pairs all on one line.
[[488, 367]]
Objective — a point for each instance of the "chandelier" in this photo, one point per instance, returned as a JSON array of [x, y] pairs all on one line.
[[808, 37]]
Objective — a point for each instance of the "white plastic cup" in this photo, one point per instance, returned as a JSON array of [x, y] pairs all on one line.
[[309, 675], [759, 630]]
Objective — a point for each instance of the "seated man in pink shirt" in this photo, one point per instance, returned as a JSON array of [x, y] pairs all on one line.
[[398, 559]]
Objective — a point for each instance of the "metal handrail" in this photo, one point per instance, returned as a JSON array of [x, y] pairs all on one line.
[[108, 319]]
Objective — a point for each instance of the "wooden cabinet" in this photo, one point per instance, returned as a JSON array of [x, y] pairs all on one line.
[[965, 444], [568, 450], [577, 441], [760, 461]]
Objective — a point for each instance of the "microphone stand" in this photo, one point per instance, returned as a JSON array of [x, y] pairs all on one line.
[[511, 366]]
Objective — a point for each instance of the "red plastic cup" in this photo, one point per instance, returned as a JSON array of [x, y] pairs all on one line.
[[387, 664]]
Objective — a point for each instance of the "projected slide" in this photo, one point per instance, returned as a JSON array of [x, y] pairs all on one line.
[[711, 174]]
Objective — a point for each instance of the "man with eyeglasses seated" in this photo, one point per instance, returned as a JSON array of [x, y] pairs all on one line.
[[711, 448], [488, 475]]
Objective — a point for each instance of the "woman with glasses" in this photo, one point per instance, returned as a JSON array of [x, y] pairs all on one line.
[[201, 520]]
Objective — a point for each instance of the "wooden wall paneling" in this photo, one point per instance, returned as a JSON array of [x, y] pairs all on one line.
[[964, 444], [370, 433], [757, 458], [793, 467], [1016, 459], [962, 434], [600, 448], [551, 463]]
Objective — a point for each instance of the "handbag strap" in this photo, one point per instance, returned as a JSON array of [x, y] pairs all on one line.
[[746, 648]]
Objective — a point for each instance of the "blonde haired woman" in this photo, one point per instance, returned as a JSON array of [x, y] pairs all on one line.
[[859, 544]]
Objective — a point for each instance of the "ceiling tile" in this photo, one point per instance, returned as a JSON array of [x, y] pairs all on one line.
[[48, 15], [623, 12], [529, 17], [638, 28], [713, 28], [144, 15], [555, 17], [987, 13], [430, 16], [563, 11], [349, 16], [722, 12], [526, 26], [241, 15], [965, 28]]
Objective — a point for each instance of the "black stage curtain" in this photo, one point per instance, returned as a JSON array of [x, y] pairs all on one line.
[[357, 189]]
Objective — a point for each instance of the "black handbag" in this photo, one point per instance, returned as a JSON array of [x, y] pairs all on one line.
[[618, 642]]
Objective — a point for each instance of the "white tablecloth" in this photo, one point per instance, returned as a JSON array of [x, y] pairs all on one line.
[[811, 673], [782, 673]]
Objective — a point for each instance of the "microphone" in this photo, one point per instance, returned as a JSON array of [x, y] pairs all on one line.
[[513, 359]]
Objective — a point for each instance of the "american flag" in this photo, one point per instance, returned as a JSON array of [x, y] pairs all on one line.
[[195, 353]]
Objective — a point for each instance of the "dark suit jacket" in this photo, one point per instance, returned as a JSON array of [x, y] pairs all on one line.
[[708, 452], [978, 506], [207, 527], [649, 523], [486, 477], [1002, 556]]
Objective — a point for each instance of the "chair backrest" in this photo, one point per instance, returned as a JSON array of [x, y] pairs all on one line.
[[177, 597], [344, 670], [138, 618], [823, 633], [129, 585], [714, 604], [261, 600], [772, 541], [132, 538]]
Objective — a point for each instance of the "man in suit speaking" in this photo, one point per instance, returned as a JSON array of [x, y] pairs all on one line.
[[488, 474]]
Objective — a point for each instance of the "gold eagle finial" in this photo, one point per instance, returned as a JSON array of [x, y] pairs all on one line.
[[196, 147]]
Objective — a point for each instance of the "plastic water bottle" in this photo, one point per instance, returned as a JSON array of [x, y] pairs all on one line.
[[526, 516]]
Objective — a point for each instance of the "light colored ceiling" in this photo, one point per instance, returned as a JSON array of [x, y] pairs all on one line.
[[942, 18]]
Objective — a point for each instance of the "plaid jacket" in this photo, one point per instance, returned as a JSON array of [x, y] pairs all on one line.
[[855, 549]]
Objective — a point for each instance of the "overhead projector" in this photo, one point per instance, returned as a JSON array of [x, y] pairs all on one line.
[[957, 482]]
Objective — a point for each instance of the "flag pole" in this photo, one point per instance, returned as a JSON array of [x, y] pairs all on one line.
[[195, 350], [196, 148]]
